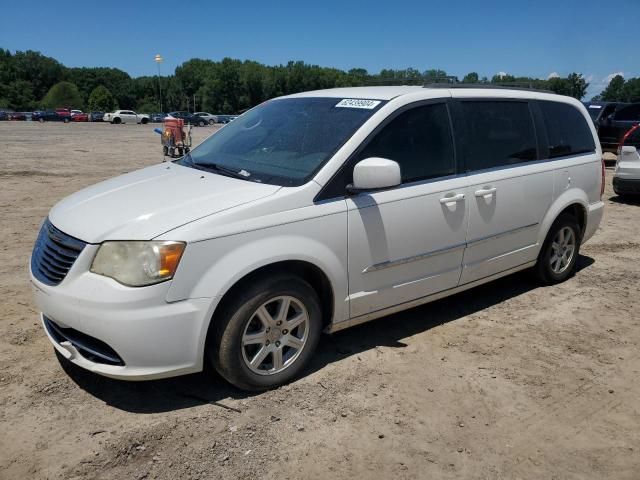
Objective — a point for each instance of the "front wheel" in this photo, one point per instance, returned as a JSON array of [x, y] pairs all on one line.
[[559, 254], [201, 123], [211, 122], [267, 333], [144, 121], [66, 120]]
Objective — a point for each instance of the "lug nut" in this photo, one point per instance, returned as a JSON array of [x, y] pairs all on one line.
[[268, 342], [285, 331], [277, 344], [279, 322]]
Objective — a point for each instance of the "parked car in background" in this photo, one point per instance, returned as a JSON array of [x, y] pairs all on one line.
[[18, 116], [626, 178], [601, 110], [225, 118], [96, 116], [4, 115], [126, 116], [612, 128], [311, 212], [209, 117], [190, 118], [78, 116], [63, 112], [50, 116], [157, 117]]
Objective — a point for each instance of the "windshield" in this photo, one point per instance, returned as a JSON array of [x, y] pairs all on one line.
[[282, 142]]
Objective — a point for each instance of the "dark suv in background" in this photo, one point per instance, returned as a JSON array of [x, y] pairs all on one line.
[[612, 128]]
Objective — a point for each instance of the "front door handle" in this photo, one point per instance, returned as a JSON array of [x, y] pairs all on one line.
[[483, 192], [452, 199]]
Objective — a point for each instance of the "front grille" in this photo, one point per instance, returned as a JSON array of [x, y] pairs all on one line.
[[90, 348], [54, 254]]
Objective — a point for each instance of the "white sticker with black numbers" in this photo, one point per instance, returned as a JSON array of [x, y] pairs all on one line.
[[358, 103]]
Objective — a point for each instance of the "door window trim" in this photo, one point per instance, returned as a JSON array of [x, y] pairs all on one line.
[[327, 191]]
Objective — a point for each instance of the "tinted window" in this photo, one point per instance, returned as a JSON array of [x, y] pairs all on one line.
[[631, 113], [567, 130], [497, 133], [419, 140]]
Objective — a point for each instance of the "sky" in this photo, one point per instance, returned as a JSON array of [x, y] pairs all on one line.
[[538, 38]]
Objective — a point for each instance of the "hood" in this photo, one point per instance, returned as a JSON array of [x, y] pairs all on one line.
[[146, 203]]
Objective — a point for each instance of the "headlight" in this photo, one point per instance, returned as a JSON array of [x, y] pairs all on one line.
[[137, 264]]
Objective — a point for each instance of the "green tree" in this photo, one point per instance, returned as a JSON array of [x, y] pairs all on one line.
[[613, 92], [63, 94], [631, 90], [471, 77], [101, 100]]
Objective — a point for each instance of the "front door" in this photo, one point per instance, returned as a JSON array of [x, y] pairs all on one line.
[[408, 242]]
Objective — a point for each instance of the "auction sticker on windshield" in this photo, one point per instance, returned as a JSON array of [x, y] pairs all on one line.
[[358, 103]]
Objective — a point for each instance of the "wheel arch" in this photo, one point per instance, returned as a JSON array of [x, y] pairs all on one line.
[[574, 202]]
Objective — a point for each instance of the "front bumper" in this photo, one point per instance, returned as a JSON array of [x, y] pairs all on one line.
[[153, 338]]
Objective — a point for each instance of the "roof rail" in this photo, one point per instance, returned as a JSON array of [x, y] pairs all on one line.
[[500, 86]]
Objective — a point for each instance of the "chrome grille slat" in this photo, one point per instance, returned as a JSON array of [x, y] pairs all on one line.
[[54, 254]]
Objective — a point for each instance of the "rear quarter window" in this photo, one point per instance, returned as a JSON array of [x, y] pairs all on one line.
[[567, 130]]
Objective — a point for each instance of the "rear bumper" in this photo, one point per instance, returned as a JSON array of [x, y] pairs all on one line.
[[627, 186], [594, 217]]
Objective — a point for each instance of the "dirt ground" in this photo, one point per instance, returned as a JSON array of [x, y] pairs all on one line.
[[510, 380]]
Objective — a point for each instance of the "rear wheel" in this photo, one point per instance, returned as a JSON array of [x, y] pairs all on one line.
[[144, 121], [559, 254], [116, 121], [201, 123], [66, 120], [41, 120], [267, 333], [211, 122]]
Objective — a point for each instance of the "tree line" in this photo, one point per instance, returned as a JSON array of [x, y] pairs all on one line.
[[30, 80]]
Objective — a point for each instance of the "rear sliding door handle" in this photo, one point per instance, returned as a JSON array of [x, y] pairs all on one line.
[[452, 199], [483, 192]]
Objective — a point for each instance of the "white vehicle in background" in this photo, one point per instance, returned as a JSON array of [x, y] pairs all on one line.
[[126, 116], [310, 212], [626, 178], [209, 117]]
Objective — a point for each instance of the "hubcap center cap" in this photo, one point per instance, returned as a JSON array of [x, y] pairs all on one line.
[[274, 334]]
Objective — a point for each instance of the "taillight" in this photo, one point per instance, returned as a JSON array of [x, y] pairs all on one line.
[[602, 180]]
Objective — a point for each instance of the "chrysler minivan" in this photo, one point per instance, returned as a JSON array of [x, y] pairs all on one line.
[[315, 212]]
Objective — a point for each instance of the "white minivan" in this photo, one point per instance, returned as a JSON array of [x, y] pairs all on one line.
[[310, 212]]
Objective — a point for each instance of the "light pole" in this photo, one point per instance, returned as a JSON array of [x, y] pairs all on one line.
[[159, 60]]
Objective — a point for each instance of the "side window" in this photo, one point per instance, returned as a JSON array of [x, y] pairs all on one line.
[[498, 133], [419, 140], [630, 113], [567, 130]]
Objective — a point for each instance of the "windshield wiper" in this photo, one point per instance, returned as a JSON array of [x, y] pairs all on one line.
[[216, 168]]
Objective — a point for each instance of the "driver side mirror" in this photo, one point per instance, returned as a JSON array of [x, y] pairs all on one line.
[[375, 174]]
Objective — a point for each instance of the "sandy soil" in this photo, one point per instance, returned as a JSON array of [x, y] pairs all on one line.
[[510, 380]]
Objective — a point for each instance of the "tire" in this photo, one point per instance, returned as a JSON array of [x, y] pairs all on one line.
[[116, 121], [232, 358], [66, 120], [201, 123], [549, 268], [144, 121], [180, 152], [41, 120], [211, 122]]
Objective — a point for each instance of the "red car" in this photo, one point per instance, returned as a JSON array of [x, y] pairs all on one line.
[[80, 117]]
